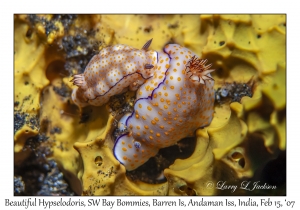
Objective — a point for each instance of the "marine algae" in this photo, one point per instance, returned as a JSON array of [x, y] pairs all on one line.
[[241, 47]]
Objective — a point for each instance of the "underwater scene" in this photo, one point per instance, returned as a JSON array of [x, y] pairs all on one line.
[[149, 104]]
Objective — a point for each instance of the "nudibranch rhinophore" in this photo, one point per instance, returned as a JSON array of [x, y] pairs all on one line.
[[174, 96]]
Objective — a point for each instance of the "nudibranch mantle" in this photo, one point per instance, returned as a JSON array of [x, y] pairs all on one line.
[[110, 73], [170, 105], [174, 97]]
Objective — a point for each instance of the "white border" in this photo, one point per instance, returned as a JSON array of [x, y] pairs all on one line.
[[138, 6]]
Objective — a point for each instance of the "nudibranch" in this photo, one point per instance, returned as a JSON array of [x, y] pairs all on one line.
[[174, 97], [111, 72]]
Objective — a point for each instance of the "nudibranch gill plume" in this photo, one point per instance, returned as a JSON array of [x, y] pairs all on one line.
[[174, 96]]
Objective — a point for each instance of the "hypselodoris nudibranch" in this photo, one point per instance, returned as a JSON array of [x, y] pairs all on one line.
[[174, 96], [113, 71]]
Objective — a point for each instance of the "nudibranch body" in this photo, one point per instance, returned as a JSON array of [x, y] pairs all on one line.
[[176, 97], [110, 73], [171, 105]]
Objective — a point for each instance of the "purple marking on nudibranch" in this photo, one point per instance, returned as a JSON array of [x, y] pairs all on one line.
[[173, 110], [137, 144], [151, 95], [118, 83]]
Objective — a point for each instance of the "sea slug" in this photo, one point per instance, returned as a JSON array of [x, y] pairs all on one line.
[[174, 96], [111, 72]]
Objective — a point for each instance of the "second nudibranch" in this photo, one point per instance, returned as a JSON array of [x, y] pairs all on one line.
[[113, 71], [175, 98]]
